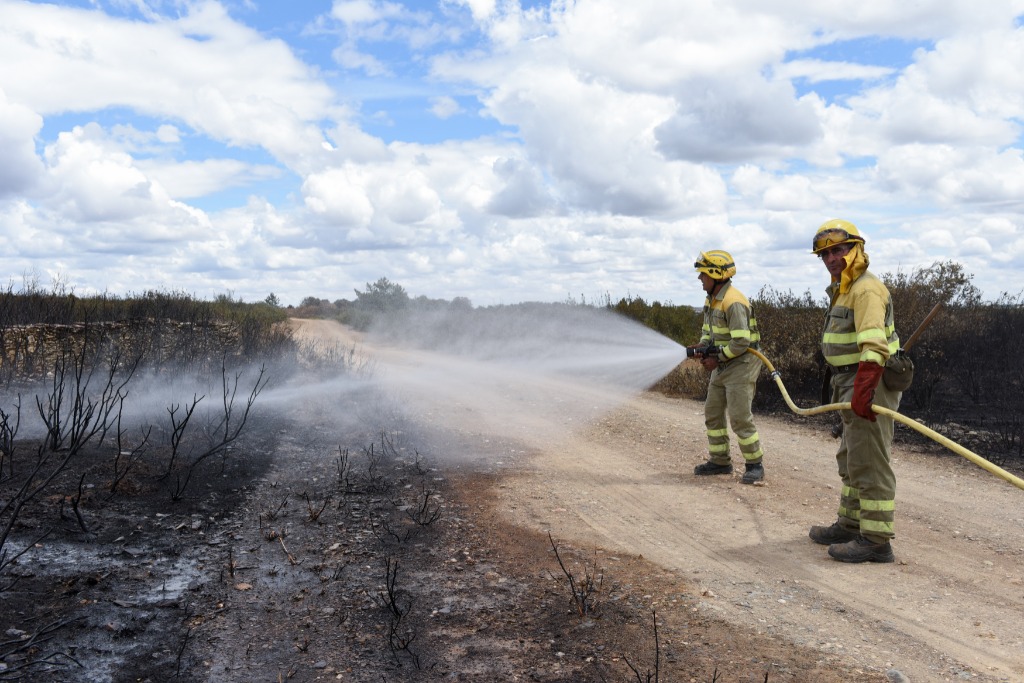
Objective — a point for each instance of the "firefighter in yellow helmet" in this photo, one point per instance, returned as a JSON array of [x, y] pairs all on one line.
[[858, 338], [729, 330]]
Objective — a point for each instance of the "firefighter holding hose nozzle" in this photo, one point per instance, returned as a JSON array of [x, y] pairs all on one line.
[[857, 341], [729, 329]]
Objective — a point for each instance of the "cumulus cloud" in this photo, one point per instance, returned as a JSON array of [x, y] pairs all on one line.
[[373, 22], [963, 91], [339, 197], [444, 107], [821, 71], [735, 121], [482, 9], [94, 183], [524, 193], [193, 179], [950, 175], [21, 168], [225, 80], [355, 12], [409, 199], [597, 144], [614, 141]]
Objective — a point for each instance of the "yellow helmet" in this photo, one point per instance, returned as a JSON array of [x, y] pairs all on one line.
[[833, 232], [716, 264]]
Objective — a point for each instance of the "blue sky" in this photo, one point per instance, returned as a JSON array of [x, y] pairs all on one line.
[[503, 151]]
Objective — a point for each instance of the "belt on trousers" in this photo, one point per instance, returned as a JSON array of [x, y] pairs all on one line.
[[724, 362], [840, 369]]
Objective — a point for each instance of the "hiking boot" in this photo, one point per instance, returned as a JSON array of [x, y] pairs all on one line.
[[837, 533], [861, 549], [754, 474], [712, 468]]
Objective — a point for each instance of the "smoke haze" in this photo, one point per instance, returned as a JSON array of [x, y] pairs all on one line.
[[514, 377]]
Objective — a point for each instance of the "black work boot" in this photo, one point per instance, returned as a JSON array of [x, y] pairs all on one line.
[[862, 549], [712, 468], [837, 533], [754, 474]]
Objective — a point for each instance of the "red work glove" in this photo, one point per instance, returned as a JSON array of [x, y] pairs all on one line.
[[864, 385]]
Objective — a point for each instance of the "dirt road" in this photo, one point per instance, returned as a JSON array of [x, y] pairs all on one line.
[[953, 598], [618, 475]]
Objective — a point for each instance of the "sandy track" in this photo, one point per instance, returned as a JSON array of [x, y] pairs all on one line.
[[618, 475], [954, 598]]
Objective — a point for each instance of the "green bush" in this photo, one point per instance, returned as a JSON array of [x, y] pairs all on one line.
[[681, 324], [162, 329]]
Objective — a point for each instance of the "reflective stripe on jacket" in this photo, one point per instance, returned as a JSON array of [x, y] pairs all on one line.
[[859, 324], [729, 322]]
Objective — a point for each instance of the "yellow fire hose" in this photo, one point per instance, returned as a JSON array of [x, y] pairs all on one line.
[[913, 424]]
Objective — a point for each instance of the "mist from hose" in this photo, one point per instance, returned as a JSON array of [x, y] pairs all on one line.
[[480, 383]]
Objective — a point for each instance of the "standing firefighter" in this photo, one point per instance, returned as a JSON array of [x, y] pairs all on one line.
[[858, 338], [729, 330]]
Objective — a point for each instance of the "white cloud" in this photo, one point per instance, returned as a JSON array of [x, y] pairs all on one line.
[[524, 193], [224, 80], [95, 183], [354, 12], [338, 196], [923, 19], [959, 92], [350, 57], [192, 179], [444, 107], [21, 168], [482, 9], [632, 135], [367, 23], [819, 71], [975, 246], [409, 199], [598, 144], [653, 45], [168, 134], [951, 175], [736, 121]]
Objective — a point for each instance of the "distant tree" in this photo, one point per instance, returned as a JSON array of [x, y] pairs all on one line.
[[461, 303], [273, 300], [943, 282], [310, 302], [382, 296]]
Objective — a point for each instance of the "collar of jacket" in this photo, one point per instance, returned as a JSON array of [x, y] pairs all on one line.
[[856, 263], [718, 293]]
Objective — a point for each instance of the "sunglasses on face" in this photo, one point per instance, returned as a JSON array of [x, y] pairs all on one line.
[[838, 250]]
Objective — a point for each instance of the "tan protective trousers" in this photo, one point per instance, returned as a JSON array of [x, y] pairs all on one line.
[[730, 395], [868, 500]]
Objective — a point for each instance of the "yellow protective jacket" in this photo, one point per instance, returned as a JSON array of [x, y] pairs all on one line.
[[859, 324], [729, 322]]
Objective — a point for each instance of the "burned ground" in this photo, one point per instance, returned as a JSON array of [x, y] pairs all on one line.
[[312, 555], [340, 539]]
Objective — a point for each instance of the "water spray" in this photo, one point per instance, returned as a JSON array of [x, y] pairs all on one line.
[[913, 424]]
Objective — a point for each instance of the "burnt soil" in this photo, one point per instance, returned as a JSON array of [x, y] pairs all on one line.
[[307, 555], [338, 540]]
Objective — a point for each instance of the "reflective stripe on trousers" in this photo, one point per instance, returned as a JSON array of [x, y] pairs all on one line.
[[730, 394], [868, 498]]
